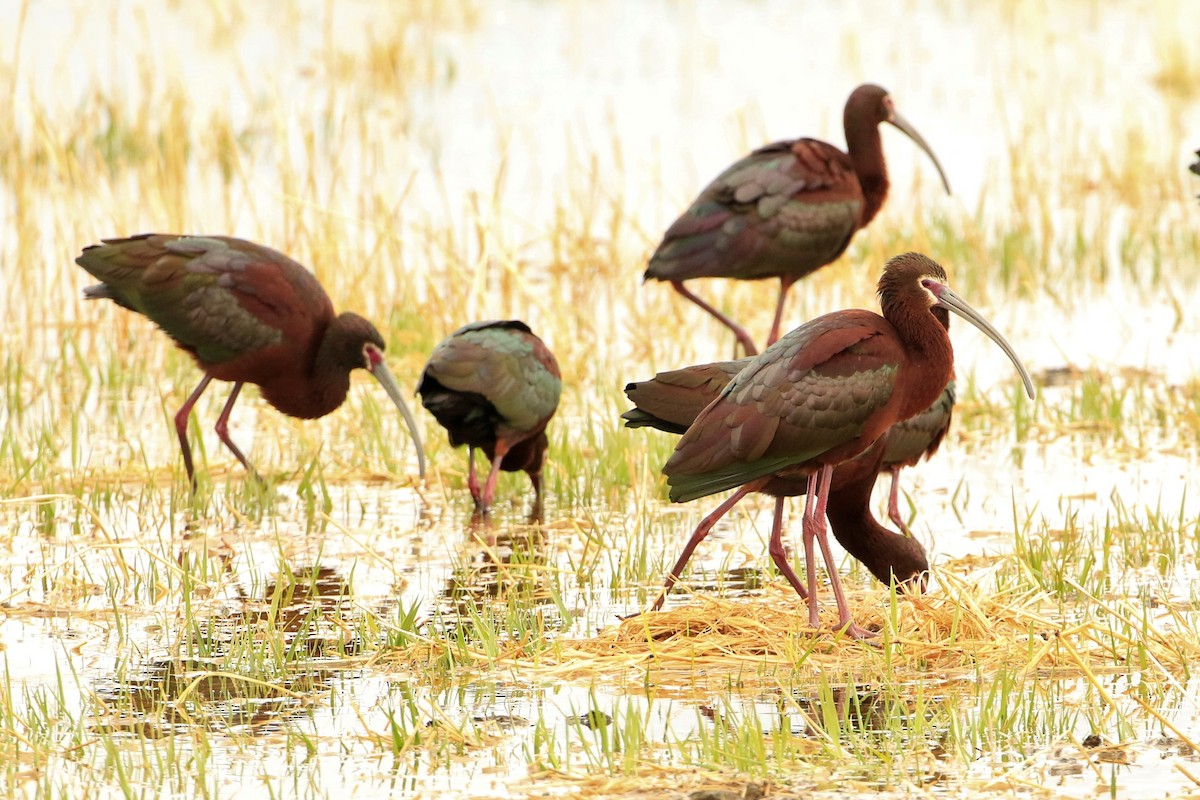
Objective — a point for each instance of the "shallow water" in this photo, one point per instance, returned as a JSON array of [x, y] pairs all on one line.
[[653, 101]]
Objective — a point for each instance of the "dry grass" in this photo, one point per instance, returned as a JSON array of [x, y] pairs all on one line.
[[954, 633], [435, 164]]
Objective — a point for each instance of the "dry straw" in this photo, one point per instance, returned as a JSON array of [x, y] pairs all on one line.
[[955, 632]]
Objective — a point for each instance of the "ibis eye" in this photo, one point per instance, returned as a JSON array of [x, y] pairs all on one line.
[[371, 355]]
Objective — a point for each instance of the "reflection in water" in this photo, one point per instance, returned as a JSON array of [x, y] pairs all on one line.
[[860, 709], [235, 679], [171, 696], [507, 562], [730, 583], [505, 584]]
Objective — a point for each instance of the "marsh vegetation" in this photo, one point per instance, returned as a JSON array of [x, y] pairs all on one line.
[[345, 628]]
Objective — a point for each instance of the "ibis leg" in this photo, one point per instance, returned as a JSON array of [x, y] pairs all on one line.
[[779, 555], [785, 283], [222, 429], [181, 423], [846, 621], [738, 331], [698, 535], [814, 516], [472, 481], [894, 503], [815, 532], [489, 488]]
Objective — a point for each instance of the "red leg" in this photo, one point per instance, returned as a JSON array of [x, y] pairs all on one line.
[[779, 555], [785, 283], [809, 527], [222, 428], [894, 503], [698, 535], [181, 423], [489, 488], [816, 530], [738, 331], [846, 621], [472, 481]]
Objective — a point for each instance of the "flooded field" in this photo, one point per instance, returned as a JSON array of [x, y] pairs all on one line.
[[345, 628]]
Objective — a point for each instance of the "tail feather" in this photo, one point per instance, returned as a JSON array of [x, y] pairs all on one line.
[[102, 291], [691, 487], [637, 418]]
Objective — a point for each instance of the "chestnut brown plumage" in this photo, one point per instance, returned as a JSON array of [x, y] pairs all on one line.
[[246, 314], [823, 395], [785, 210], [671, 401]]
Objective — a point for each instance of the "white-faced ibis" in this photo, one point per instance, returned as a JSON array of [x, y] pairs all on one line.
[[494, 386], [822, 395], [246, 314], [671, 401], [785, 210]]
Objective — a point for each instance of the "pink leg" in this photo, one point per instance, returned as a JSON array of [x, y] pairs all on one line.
[[181, 423], [846, 621], [785, 283], [472, 481], [815, 531], [894, 503], [489, 488], [702, 530], [738, 331], [809, 526], [222, 429], [779, 555]]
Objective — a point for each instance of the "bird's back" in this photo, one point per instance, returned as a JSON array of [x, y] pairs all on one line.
[[788, 208], [491, 379], [812, 397], [218, 297]]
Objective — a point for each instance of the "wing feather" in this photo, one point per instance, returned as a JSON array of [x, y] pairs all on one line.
[[785, 209], [811, 392], [217, 297]]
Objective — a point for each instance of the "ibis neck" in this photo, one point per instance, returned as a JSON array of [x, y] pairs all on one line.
[[888, 555], [312, 389], [308, 398], [526, 455], [866, 155], [930, 358]]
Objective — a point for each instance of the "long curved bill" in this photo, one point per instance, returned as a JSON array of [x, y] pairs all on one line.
[[906, 127], [384, 376], [949, 299]]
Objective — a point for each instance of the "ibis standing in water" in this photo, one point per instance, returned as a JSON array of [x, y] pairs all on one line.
[[821, 396], [785, 210], [494, 386], [246, 314], [671, 401]]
